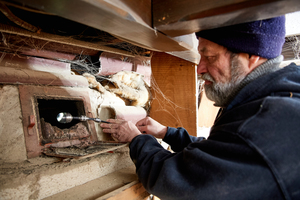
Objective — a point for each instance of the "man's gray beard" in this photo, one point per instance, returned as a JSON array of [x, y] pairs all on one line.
[[220, 92]]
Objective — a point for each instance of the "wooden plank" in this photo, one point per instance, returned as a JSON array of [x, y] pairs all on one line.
[[57, 41], [118, 19], [184, 17], [132, 191], [124, 20], [140, 10], [174, 92], [100, 186]]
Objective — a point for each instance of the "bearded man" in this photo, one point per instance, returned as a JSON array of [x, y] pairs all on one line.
[[252, 151]]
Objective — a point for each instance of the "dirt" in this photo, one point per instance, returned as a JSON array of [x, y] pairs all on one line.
[[53, 132]]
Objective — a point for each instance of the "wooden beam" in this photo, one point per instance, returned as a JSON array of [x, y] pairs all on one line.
[[53, 42], [176, 18], [174, 92], [133, 190], [120, 18], [130, 21]]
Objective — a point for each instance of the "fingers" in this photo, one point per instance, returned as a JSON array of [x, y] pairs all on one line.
[[142, 129], [115, 121], [112, 128], [120, 130], [115, 136], [109, 126], [142, 122]]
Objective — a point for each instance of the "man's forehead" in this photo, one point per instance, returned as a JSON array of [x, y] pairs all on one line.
[[206, 49], [206, 46]]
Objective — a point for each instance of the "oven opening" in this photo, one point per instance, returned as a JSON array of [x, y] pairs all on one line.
[[52, 130]]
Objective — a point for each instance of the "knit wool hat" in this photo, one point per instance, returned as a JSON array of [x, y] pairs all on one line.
[[263, 38]]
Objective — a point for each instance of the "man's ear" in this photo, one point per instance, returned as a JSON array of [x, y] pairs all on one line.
[[255, 61], [250, 62]]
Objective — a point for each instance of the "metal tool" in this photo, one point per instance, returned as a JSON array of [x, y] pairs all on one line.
[[65, 117]]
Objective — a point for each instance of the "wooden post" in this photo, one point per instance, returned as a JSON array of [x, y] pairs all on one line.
[[173, 86]]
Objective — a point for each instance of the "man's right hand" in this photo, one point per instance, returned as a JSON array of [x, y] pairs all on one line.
[[152, 127]]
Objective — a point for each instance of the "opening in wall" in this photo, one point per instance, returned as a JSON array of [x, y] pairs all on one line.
[[49, 109], [51, 129]]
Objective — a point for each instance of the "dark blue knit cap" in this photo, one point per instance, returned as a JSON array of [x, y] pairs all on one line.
[[263, 38]]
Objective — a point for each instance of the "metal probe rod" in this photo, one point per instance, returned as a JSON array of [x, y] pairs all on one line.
[[64, 118]]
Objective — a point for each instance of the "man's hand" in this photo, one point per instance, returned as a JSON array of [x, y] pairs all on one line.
[[152, 127], [120, 130]]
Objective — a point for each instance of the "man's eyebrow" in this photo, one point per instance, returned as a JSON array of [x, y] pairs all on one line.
[[203, 50]]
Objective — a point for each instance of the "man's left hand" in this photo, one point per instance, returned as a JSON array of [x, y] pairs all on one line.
[[120, 130]]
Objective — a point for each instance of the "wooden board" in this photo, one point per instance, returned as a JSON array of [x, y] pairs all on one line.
[[46, 41], [173, 86], [119, 18], [176, 18], [133, 190]]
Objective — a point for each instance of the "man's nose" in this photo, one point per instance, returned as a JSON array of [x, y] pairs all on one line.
[[201, 68]]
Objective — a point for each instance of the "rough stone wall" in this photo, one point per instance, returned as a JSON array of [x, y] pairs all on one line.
[[12, 148]]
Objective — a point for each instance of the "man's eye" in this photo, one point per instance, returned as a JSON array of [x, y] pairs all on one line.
[[210, 58]]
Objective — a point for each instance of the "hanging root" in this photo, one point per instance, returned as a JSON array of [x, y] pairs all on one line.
[[4, 9]]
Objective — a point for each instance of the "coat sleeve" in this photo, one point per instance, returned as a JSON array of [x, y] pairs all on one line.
[[178, 138], [163, 173], [207, 169], [158, 169]]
